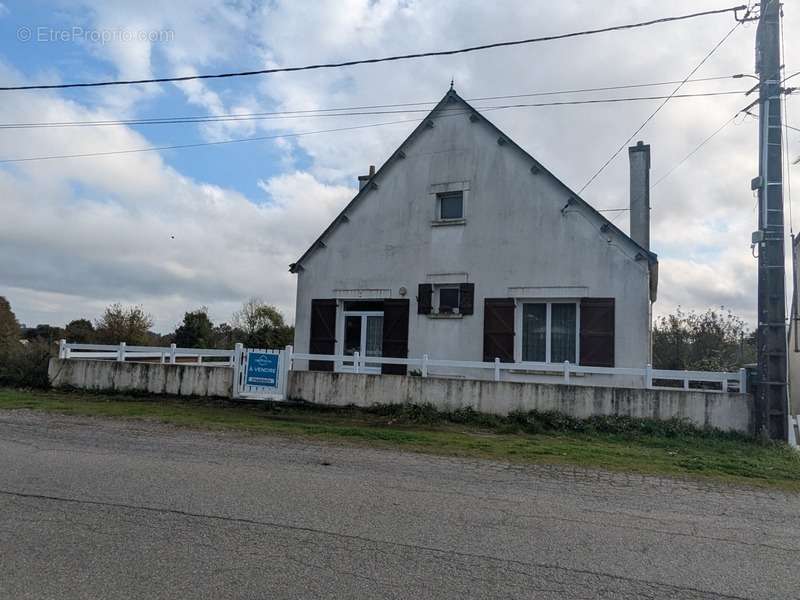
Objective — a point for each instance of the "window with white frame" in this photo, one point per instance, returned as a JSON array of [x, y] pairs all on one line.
[[448, 299], [549, 332], [450, 206]]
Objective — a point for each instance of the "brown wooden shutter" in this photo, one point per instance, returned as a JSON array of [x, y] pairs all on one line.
[[498, 329], [467, 298], [395, 334], [597, 332], [425, 299], [323, 333]]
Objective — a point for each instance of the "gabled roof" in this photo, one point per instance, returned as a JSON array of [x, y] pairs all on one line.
[[449, 98]]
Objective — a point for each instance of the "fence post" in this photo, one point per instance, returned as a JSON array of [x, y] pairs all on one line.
[[121, 352], [685, 380], [356, 362], [424, 365], [236, 365], [724, 384], [289, 359], [172, 354], [742, 381], [496, 369], [62, 348], [648, 376], [566, 371]]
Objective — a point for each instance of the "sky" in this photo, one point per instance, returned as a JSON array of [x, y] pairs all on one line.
[[174, 230]]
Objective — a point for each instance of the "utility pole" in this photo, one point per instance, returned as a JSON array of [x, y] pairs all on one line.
[[771, 414]]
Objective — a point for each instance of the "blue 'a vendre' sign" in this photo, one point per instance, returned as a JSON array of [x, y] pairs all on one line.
[[262, 369]]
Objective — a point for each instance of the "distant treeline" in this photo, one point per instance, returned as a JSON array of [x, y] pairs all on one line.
[[24, 352]]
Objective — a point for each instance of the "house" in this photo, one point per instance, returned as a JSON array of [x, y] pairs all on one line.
[[462, 246]]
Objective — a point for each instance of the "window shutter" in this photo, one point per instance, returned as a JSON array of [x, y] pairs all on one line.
[[425, 299], [467, 298], [597, 332], [498, 329], [395, 334], [323, 333]]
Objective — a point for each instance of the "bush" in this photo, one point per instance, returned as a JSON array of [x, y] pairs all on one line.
[[535, 422], [25, 365]]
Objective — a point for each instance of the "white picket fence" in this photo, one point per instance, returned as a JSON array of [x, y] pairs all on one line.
[[163, 354], [565, 373], [503, 371]]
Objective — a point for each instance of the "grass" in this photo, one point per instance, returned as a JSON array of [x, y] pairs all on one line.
[[614, 443]]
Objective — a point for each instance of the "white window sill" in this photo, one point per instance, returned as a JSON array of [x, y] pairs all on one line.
[[445, 316], [448, 222]]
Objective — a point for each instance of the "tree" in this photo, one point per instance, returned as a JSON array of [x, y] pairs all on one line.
[[80, 330], [44, 333], [226, 336], [263, 325], [715, 340], [124, 324], [9, 327], [196, 331]]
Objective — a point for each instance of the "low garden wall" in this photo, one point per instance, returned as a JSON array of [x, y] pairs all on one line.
[[727, 411], [154, 378]]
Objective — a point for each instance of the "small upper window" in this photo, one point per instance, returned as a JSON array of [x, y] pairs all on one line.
[[451, 205], [449, 299]]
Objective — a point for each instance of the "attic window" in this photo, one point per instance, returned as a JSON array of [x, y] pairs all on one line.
[[451, 205]]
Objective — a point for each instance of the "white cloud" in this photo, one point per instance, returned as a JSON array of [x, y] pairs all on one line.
[[96, 230]]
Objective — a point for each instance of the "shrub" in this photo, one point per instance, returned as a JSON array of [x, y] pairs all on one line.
[[25, 365]]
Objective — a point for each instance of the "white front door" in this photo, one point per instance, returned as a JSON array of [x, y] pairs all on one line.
[[363, 333]]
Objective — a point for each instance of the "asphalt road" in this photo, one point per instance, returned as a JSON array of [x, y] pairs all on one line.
[[104, 509]]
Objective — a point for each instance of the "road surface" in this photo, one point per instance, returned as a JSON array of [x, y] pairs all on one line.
[[104, 509]]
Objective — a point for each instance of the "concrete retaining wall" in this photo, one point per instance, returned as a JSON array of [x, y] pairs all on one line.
[[725, 411], [155, 378]]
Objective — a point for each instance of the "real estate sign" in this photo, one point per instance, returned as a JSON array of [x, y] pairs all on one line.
[[262, 370]]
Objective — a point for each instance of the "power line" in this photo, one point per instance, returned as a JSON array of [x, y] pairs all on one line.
[[662, 105], [745, 110], [790, 76], [199, 144], [270, 137], [696, 149], [349, 63], [288, 115], [218, 143], [353, 108]]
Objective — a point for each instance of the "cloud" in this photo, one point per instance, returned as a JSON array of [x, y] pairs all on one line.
[[77, 234]]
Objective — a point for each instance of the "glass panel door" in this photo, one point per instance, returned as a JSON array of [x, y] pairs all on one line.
[[363, 333], [374, 338], [562, 333], [534, 332], [352, 337]]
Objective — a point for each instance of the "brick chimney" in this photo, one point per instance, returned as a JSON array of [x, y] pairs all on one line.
[[364, 179], [639, 156]]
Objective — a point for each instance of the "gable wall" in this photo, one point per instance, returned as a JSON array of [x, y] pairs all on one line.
[[515, 236]]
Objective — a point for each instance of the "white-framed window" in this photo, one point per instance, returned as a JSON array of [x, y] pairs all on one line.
[[447, 299], [450, 206], [547, 331]]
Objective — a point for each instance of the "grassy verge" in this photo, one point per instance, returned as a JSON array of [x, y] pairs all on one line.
[[622, 444]]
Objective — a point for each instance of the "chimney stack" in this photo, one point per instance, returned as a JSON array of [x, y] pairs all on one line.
[[363, 179], [639, 156]]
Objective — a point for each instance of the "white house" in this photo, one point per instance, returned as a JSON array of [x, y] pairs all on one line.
[[462, 246]]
